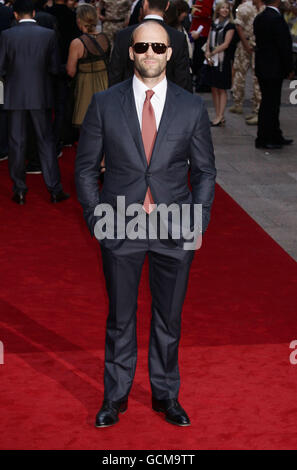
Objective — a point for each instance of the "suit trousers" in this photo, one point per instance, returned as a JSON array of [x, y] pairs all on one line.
[[169, 267], [198, 58], [42, 122], [268, 118], [3, 131]]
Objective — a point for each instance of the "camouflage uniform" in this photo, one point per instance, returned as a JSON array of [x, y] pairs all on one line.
[[115, 10], [245, 16]]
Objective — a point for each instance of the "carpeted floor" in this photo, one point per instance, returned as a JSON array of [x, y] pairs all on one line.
[[240, 315]]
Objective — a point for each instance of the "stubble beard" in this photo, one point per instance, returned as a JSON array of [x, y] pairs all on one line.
[[147, 72]]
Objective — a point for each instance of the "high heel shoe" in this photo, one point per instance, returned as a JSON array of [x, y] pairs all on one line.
[[221, 123]]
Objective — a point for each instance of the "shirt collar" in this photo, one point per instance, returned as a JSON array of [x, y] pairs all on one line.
[[153, 17], [140, 88], [275, 8], [27, 20]]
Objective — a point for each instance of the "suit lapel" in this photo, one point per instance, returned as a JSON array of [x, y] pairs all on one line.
[[167, 116], [129, 108]]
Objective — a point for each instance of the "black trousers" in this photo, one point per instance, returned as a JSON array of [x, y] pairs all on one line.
[[169, 267], [268, 118], [31, 153], [3, 131], [42, 122], [198, 59]]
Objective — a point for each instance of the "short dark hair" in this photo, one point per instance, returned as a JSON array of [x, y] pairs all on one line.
[[157, 4], [181, 6], [23, 6]]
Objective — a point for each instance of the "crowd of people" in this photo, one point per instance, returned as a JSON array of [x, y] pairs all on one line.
[[86, 50]]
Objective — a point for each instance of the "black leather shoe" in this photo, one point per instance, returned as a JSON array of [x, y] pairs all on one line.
[[19, 198], [3, 156], [267, 146], [286, 141], [108, 413], [59, 197], [174, 413]]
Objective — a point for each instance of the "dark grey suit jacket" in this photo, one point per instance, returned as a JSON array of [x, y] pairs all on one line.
[[29, 57], [273, 56], [6, 17], [111, 128], [178, 67]]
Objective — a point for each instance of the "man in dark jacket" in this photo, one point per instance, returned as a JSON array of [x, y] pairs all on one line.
[[273, 63], [6, 17], [28, 58]]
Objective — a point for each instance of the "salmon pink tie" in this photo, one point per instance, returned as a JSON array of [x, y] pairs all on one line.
[[149, 133]]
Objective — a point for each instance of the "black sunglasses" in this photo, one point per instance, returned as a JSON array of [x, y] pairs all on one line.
[[142, 47]]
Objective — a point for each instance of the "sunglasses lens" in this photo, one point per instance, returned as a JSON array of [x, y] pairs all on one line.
[[142, 47], [159, 48]]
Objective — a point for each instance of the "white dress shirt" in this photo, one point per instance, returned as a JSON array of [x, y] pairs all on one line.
[[157, 100], [153, 17], [28, 20]]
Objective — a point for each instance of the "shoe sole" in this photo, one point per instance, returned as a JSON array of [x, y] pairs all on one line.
[[169, 420], [176, 424], [106, 425]]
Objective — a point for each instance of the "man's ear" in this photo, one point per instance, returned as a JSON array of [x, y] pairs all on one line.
[[33, 14], [131, 55], [167, 6], [16, 15], [169, 53]]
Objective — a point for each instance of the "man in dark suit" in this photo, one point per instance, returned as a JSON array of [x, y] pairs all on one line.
[[6, 17], [178, 67], [28, 57], [273, 63], [151, 132]]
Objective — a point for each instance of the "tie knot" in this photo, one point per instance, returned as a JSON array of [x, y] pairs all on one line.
[[149, 94]]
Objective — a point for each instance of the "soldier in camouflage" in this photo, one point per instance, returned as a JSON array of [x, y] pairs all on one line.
[[116, 16], [245, 59]]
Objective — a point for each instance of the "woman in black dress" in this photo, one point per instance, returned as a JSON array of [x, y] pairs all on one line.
[[218, 56]]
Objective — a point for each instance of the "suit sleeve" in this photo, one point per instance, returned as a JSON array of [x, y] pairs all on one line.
[[182, 76], [117, 64], [3, 58], [202, 164], [87, 165], [284, 43], [55, 59]]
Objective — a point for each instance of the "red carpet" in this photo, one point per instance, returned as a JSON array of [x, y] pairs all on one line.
[[239, 318]]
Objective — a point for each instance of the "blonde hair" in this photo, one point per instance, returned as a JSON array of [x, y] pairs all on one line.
[[219, 6], [87, 15]]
